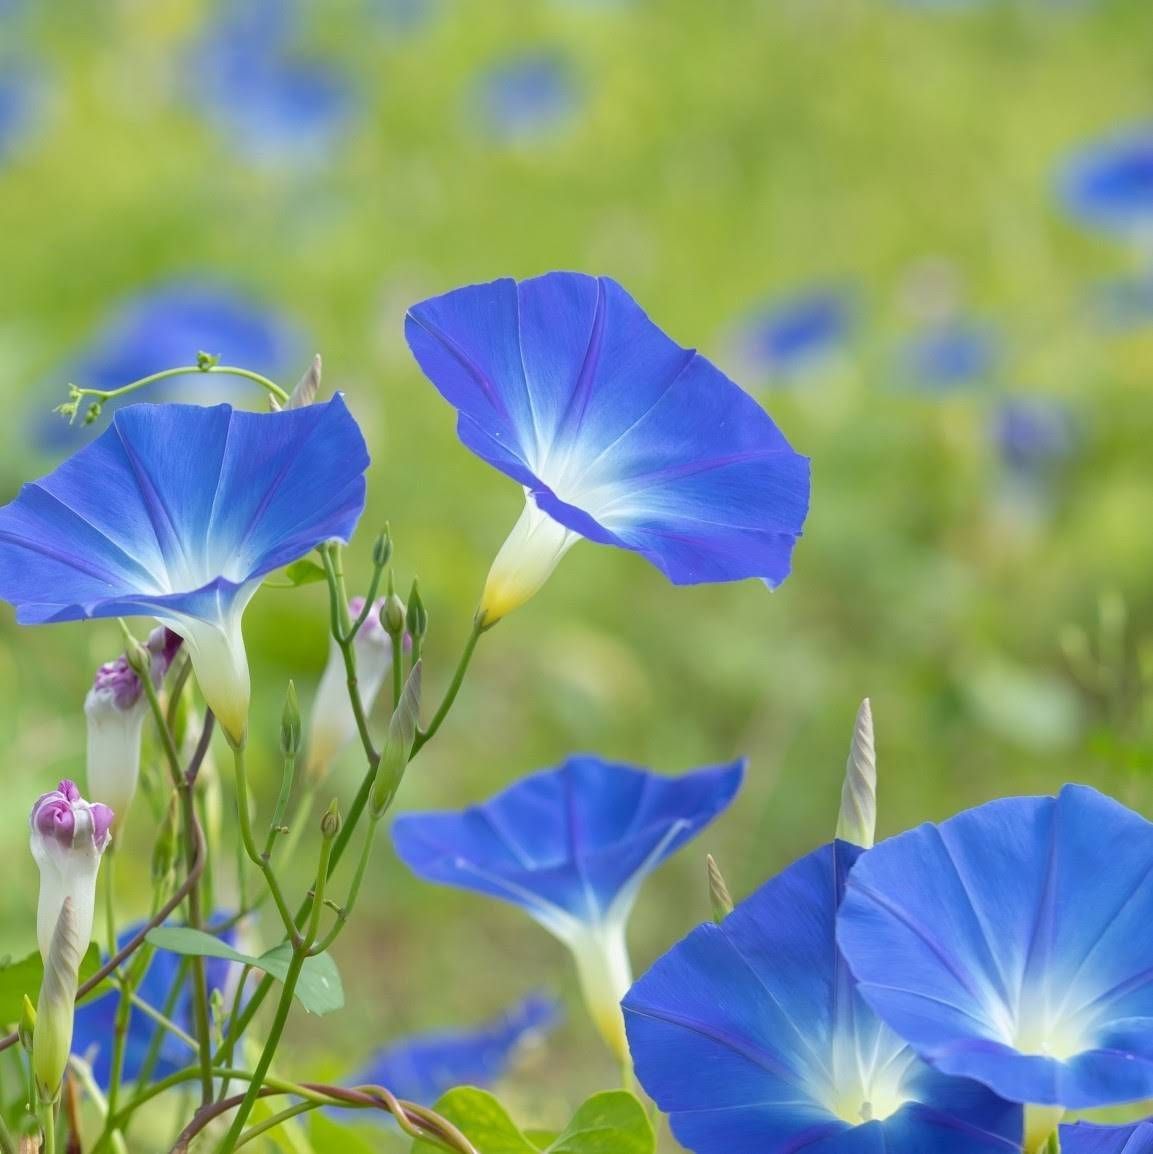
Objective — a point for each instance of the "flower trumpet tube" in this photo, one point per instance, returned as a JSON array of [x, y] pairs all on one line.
[[56, 1008], [179, 512], [572, 847], [115, 710]]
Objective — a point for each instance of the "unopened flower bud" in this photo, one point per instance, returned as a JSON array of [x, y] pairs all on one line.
[[69, 835], [333, 724], [27, 1026], [56, 1009], [290, 727], [719, 896], [115, 710], [392, 615], [331, 822], [165, 850], [857, 823], [417, 616], [382, 550]]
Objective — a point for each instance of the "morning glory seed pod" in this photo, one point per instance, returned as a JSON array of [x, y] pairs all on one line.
[[68, 837]]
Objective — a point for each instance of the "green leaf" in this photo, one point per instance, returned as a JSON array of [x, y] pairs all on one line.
[[318, 990], [483, 1120], [23, 976], [611, 1123], [302, 572], [327, 1136]]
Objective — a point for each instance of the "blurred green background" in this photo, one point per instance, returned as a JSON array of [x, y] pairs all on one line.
[[711, 157]]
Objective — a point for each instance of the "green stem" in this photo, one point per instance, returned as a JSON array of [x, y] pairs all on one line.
[[425, 735], [48, 1125], [7, 1142], [78, 393], [260, 860], [183, 784], [345, 911], [279, 1021]]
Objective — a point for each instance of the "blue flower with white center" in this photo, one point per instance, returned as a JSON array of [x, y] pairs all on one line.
[[1085, 1138], [616, 433], [95, 1020], [423, 1068], [1109, 185], [751, 1036], [571, 846], [1010, 945], [788, 338], [178, 512], [526, 98], [272, 103], [949, 354]]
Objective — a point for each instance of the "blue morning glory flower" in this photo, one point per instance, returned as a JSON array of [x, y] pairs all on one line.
[[95, 1020], [526, 98], [1110, 184], [949, 354], [423, 1068], [1033, 434], [787, 338], [751, 1037], [571, 846], [617, 434], [178, 512], [253, 85], [1010, 945], [1085, 1138]]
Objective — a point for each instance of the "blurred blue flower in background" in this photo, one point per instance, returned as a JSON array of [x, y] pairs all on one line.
[[949, 354], [1085, 1138], [618, 435], [20, 102], [179, 512], [1007, 946], [786, 339], [274, 104], [1033, 434], [423, 1068], [526, 98], [751, 1036], [1109, 185], [95, 1020], [571, 846]]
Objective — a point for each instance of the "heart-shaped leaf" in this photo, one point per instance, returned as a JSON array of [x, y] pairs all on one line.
[[318, 990], [611, 1123]]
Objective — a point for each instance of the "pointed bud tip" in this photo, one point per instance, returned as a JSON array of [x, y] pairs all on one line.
[[719, 896]]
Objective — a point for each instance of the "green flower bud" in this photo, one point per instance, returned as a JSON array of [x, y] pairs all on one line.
[[719, 896], [417, 617], [27, 1027], [331, 822], [392, 616], [382, 549], [290, 726], [52, 1039]]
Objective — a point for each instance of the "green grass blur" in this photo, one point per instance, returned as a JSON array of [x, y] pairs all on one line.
[[726, 152]]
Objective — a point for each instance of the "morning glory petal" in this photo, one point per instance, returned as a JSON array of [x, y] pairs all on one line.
[[570, 844], [423, 1068], [617, 433], [1085, 1138], [751, 1037], [1008, 947], [177, 512]]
